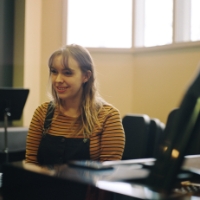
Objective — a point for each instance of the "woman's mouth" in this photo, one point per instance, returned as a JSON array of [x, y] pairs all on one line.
[[61, 89]]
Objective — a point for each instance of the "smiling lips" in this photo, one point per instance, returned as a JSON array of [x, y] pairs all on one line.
[[61, 89]]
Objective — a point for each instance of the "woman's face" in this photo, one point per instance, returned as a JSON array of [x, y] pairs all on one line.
[[67, 82]]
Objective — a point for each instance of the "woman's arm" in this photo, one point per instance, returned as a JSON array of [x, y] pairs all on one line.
[[35, 134], [113, 137]]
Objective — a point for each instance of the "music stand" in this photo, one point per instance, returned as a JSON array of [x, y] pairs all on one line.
[[12, 101]]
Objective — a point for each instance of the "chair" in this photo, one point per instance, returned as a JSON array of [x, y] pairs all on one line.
[[142, 134], [155, 135], [136, 128]]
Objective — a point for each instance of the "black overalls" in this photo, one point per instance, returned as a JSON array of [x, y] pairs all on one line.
[[59, 150], [55, 150]]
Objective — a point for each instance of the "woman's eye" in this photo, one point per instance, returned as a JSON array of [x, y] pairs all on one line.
[[53, 71], [67, 73]]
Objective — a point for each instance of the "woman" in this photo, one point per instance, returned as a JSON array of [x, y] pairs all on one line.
[[80, 124]]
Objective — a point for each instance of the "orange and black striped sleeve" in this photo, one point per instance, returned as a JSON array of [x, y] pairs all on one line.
[[35, 133], [109, 144]]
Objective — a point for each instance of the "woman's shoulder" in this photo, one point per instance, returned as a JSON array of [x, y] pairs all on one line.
[[42, 108], [44, 105], [108, 109], [40, 112]]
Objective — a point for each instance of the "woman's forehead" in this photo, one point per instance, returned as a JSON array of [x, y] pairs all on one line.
[[67, 63], [57, 60], [72, 61]]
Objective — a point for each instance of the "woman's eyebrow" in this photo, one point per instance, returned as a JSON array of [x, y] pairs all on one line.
[[68, 68]]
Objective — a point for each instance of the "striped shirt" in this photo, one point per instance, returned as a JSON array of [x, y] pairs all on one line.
[[106, 141]]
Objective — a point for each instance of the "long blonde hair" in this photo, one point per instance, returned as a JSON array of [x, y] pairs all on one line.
[[91, 101]]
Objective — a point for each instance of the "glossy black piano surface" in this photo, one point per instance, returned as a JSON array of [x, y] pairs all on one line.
[[126, 178]]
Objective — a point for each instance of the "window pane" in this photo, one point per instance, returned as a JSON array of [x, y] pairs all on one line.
[[195, 20], [100, 23], [158, 22]]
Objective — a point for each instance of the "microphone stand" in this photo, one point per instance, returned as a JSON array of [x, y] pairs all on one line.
[[6, 114]]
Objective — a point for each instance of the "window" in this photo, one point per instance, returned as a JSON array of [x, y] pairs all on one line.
[[154, 18], [195, 20], [187, 20], [133, 24], [100, 23], [158, 22]]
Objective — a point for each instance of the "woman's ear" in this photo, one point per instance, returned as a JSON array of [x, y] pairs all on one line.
[[87, 76]]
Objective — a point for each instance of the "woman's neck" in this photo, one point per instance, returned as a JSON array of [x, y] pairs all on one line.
[[71, 109]]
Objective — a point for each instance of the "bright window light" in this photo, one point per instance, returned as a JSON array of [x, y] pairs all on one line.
[[158, 22], [195, 20], [100, 23]]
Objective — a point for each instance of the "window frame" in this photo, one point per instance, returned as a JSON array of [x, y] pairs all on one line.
[[177, 35]]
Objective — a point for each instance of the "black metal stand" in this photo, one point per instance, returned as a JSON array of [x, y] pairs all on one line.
[[12, 101], [6, 151]]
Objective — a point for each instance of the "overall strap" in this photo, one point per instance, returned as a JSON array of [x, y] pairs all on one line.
[[48, 118]]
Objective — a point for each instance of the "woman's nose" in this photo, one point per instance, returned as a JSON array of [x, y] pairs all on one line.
[[59, 78]]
